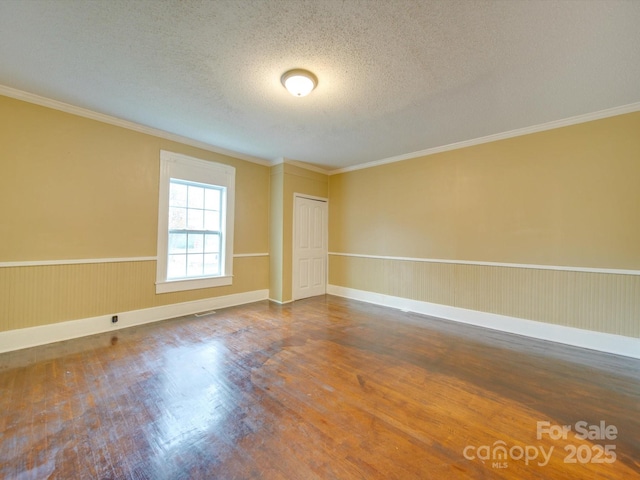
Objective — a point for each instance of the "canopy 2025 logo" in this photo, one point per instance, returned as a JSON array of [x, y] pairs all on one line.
[[499, 454]]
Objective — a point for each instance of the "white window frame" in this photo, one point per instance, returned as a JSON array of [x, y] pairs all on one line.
[[183, 167]]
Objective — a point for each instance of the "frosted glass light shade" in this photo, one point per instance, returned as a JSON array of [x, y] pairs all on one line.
[[299, 82]]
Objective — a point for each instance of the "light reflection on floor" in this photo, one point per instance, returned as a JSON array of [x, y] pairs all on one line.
[[196, 397]]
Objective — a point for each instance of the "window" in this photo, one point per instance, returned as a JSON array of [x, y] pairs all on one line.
[[195, 230], [195, 223]]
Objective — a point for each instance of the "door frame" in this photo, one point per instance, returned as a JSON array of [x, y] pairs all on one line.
[[294, 270]]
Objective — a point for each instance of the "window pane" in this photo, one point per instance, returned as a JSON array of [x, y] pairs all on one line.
[[195, 265], [177, 218], [196, 197], [212, 199], [195, 243], [177, 266], [195, 219], [212, 243], [177, 195], [211, 220], [177, 243], [211, 264]]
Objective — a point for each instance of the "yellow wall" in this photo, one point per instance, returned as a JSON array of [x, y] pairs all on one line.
[[75, 188], [286, 180], [565, 197]]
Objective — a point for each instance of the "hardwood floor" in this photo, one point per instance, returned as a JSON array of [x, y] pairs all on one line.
[[324, 388]]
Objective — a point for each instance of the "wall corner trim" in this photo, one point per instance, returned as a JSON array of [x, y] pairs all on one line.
[[603, 342], [55, 332]]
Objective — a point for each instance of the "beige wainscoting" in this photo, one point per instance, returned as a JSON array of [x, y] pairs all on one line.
[[40, 295], [602, 302]]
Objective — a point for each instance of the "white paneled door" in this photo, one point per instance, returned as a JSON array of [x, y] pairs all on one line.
[[309, 247]]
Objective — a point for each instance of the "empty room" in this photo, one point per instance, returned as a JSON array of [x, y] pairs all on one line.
[[328, 239]]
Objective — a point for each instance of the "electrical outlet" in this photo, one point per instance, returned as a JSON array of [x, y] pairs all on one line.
[[114, 319]]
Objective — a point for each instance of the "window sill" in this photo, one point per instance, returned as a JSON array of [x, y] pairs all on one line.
[[192, 284]]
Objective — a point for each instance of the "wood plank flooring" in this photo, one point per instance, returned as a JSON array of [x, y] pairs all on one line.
[[324, 388]]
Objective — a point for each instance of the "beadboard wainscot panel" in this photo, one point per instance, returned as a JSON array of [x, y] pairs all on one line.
[[39, 295], [602, 302]]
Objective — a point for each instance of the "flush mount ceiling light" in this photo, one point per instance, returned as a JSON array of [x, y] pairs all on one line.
[[299, 82]]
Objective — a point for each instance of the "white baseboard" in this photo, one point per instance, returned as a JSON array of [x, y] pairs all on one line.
[[56, 332], [279, 302], [604, 342]]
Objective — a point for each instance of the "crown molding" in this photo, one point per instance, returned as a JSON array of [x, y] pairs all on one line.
[[588, 117], [104, 118], [296, 163], [118, 122], [306, 166]]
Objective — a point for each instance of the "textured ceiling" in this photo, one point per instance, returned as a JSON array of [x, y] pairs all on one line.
[[395, 76]]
